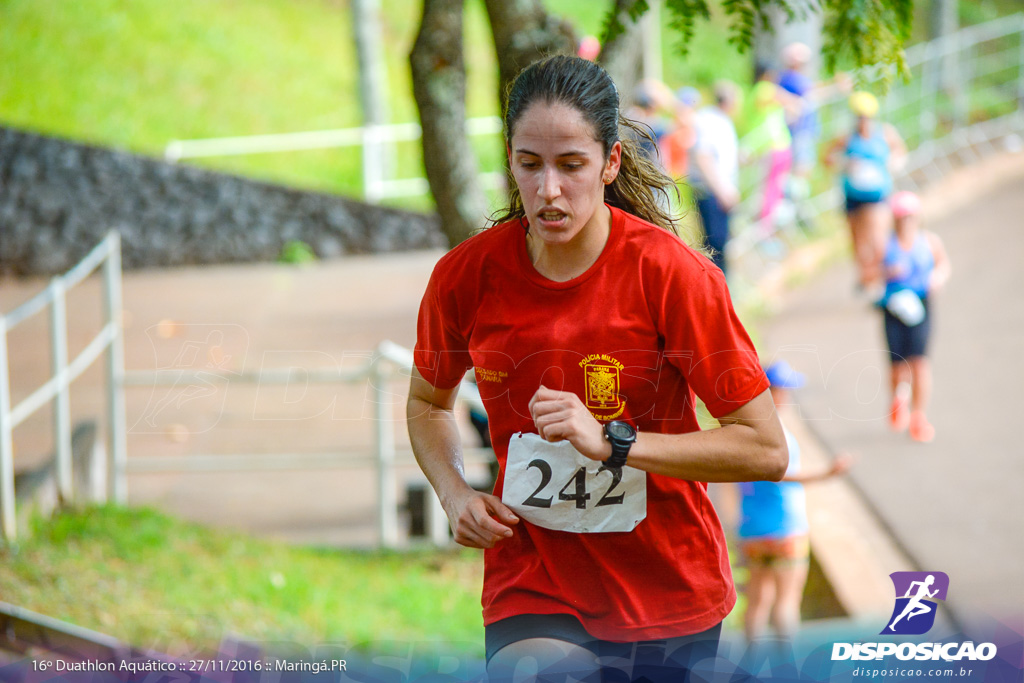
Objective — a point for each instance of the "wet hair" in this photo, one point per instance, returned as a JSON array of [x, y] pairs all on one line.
[[589, 89]]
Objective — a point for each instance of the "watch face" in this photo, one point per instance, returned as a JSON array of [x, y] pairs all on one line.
[[620, 430]]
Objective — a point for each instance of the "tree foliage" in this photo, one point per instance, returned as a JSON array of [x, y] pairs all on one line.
[[865, 31], [613, 26], [871, 31]]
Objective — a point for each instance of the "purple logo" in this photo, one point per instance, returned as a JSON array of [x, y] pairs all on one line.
[[916, 593]]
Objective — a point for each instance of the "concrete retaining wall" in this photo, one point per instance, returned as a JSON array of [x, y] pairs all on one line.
[[58, 199]]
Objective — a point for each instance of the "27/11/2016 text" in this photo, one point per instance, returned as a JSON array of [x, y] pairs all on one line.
[[192, 665]]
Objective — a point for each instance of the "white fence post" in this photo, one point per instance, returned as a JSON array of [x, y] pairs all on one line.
[[61, 401], [116, 422], [373, 163], [8, 521], [387, 501]]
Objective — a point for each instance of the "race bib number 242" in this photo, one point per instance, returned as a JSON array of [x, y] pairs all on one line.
[[555, 486]]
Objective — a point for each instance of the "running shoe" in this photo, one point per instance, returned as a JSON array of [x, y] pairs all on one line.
[[899, 414], [920, 429]]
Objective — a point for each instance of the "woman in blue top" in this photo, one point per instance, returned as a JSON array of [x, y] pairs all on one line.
[[773, 528], [915, 266], [870, 151]]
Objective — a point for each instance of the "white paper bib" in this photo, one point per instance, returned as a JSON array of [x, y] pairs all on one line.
[[866, 176], [555, 486]]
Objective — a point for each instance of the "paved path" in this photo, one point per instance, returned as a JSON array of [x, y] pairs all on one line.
[[956, 505]]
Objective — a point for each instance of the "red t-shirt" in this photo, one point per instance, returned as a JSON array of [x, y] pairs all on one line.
[[654, 320]]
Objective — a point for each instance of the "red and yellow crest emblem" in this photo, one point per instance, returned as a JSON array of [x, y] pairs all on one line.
[[602, 375]]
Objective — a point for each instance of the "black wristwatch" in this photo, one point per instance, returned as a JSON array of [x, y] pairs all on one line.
[[621, 436]]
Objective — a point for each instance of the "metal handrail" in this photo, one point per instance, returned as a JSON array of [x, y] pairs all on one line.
[[83, 269], [56, 384], [56, 389], [372, 138], [177, 150], [990, 30], [388, 362]]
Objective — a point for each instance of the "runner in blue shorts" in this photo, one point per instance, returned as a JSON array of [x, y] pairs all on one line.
[[916, 266]]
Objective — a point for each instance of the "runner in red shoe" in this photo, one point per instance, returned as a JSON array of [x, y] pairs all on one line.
[[916, 266]]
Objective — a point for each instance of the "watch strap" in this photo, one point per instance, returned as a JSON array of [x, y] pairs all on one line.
[[620, 447], [618, 458]]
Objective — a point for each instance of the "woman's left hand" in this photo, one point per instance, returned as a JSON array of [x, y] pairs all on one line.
[[561, 416]]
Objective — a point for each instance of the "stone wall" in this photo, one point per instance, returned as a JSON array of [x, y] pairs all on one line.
[[58, 199]]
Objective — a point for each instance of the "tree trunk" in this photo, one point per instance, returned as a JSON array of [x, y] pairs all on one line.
[[621, 55], [439, 87], [651, 61], [523, 33]]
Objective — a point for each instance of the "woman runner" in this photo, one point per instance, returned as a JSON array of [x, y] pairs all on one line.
[[869, 152], [916, 266], [590, 326]]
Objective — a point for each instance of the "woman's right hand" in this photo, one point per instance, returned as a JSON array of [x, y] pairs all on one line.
[[480, 520]]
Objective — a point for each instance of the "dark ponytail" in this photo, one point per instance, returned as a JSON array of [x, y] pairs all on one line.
[[589, 89]]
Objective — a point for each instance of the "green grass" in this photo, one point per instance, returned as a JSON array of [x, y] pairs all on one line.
[[136, 75], [156, 582]]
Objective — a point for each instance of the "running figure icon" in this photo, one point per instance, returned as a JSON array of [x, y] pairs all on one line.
[[917, 606]]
